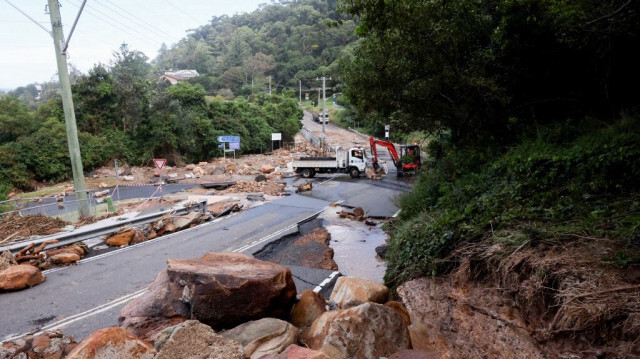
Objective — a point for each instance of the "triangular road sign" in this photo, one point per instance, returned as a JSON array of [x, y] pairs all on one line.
[[159, 162]]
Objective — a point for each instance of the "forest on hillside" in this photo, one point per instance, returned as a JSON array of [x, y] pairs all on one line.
[[123, 111]]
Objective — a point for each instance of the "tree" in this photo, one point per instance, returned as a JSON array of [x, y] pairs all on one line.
[[130, 72], [15, 119]]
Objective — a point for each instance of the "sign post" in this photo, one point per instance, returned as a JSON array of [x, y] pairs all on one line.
[[234, 144], [160, 162], [386, 132], [276, 137]]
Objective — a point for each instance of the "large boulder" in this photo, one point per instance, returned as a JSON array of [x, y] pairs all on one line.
[[264, 336], [308, 308], [112, 343], [219, 289], [369, 330], [20, 276], [465, 322], [351, 292], [194, 340], [122, 238], [159, 307], [297, 352], [267, 168], [226, 289]]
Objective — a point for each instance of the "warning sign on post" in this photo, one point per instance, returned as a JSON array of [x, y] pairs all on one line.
[[159, 163]]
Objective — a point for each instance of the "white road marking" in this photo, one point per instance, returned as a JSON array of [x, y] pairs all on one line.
[[396, 214], [326, 281], [126, 298]]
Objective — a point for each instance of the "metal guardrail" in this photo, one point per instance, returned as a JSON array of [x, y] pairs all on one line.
[[310, 136], [82, 235]]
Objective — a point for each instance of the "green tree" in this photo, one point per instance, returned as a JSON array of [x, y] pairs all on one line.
[[15, 119], [130, 72]]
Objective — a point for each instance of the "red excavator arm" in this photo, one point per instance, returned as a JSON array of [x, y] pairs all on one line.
[[402, 167], [392, 150]]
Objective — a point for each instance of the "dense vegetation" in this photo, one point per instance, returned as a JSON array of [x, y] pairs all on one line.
[[122, 112], [534, 105], [286, 41]]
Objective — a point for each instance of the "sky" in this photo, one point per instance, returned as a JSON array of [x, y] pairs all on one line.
[[26, 50]]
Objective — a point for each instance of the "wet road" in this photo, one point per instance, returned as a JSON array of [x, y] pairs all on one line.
[[88, 296]]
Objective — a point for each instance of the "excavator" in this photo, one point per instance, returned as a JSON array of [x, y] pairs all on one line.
[[407, 162]]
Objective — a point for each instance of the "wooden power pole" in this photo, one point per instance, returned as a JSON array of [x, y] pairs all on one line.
[[69, 113]]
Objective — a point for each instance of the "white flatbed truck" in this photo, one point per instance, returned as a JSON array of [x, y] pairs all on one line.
[[352, 161]]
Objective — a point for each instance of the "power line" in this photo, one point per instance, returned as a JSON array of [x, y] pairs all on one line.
[[29, 17], [135, 33], [182, 11], [150, 25]]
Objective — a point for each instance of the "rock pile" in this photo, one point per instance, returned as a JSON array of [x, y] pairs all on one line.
[[47, 345], [166, 224]]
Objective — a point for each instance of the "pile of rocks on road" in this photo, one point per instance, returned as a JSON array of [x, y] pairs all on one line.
[[229, 305]]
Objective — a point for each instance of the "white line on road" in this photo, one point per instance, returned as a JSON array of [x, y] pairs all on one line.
[[326, 281], [80, 316], [126, 298]]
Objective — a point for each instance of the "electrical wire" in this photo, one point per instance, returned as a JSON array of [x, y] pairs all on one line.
[[135, 33], [146, 31], [149, 25], [183, 12]]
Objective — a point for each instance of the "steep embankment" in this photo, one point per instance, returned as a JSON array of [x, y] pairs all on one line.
[[543, 238]]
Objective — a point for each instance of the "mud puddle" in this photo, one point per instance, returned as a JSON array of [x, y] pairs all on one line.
[[354, 245]]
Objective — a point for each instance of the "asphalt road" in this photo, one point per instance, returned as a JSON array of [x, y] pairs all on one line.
[[49, 206], [86, 297]]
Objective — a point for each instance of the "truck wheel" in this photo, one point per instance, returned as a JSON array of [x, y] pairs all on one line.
[[307, 173], [354, 172]]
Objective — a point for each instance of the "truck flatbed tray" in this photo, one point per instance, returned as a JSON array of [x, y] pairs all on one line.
[[317, 159]]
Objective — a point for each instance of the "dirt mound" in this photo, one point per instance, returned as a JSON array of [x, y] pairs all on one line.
[[271, 188], [14, 227], [572, 300]]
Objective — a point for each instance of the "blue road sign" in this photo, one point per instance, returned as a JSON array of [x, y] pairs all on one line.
[[228, 138], [234, 145], [221, 146]]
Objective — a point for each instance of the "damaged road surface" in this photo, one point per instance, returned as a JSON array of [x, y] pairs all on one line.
[[83, 298]]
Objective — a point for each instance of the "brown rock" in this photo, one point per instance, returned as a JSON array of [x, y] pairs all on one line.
[[158, 308], [19, 277], [264, 336], [112, 343], [122, 238], [415, 354], [267, 168], [400, 308], [64, 258], [351, 291], [226, 289], [369, 330], [7, 260], [40, 342], [358, 212], [219, 289], [297, 352], [190, 167], [457, 325], [194, 340], [308, 308]]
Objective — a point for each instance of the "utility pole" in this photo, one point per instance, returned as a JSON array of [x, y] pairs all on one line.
[[269, 85], [324, 108], [300, 91], [67, 104]]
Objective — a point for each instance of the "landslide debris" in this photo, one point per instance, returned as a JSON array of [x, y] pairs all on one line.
[[15, 228]]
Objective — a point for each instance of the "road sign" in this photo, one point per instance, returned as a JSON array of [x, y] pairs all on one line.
[[221, 146], [159, 162], [276, 136], [228, 138], [234, 145]]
